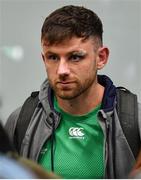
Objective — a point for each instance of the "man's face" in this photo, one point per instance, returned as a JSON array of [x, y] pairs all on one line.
[[71, 66]]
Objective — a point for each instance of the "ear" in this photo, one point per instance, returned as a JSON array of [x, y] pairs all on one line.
[[103, 54]]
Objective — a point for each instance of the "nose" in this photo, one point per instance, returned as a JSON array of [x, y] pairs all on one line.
[[63, 68]]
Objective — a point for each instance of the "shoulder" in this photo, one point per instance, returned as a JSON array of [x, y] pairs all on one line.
[[13, 116], [11, 122]]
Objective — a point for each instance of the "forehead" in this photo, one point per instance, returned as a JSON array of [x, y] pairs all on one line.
[[72, 44]]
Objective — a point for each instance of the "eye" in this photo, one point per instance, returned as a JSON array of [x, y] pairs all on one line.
[[52, 57], [76, 57]]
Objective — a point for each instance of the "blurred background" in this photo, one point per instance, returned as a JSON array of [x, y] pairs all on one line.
[[21, 66]]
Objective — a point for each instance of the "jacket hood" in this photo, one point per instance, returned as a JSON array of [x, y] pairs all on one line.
[[46, 96], [108, 102]]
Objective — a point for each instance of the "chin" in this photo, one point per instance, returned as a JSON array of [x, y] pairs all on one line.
[[67, 95]]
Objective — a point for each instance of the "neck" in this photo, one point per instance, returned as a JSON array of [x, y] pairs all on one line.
[[83, 103]]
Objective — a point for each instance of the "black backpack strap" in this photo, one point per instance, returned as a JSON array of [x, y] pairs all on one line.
[[127, 108], [23, 121]]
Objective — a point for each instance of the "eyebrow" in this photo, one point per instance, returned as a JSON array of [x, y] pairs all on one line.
[[76, 52], [79, 53], [50, 52]]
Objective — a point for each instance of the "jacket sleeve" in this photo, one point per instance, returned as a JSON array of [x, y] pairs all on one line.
[[11, 124]]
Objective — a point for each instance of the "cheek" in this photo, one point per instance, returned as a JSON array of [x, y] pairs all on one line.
[[51, 72], [84, 73], [48, 67], [88, 68]]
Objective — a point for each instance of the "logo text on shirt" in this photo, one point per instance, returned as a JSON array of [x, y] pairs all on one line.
[[76, 132]]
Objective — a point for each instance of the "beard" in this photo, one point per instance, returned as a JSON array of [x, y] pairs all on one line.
[[69, 92], [72, 90]]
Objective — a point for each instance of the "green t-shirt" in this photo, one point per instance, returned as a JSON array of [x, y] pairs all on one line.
[[78, 151]]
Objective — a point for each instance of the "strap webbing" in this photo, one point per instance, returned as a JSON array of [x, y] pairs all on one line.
[[24, 118], [127, 108]]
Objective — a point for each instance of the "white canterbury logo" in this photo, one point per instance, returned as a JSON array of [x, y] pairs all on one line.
[[76, 132]]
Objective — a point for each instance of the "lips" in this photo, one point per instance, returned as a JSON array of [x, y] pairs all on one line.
[[64, 84]]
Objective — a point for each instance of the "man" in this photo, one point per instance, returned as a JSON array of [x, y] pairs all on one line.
[[75, 129]]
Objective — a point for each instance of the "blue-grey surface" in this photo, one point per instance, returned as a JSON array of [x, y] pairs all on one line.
[[11, 169]]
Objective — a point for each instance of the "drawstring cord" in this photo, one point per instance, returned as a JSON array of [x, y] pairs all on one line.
[[52, 143]]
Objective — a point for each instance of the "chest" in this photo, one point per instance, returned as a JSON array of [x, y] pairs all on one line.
[[78, 150]]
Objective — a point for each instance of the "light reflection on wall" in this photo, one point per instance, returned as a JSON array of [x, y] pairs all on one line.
[[15, 53]]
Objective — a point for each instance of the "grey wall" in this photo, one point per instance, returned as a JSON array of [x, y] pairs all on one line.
[[21, 67]]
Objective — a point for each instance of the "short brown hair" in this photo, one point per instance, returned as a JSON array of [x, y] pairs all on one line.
[[70, 21]]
